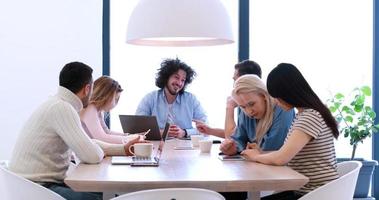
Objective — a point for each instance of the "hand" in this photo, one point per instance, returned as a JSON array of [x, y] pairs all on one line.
[[228, 147], [253, 145], [130, 143], [251, 154], [202, 127], [175, 131], [143, 134], [230, 103]]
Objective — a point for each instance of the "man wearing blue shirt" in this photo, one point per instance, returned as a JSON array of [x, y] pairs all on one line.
[[171, 103]]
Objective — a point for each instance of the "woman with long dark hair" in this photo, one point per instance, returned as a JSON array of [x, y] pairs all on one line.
[[309, 147]]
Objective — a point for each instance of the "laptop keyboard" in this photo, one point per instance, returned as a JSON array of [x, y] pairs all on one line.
[[139, 158]]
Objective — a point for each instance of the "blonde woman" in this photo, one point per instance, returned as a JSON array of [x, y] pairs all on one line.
[[106, 93], [263, 124]]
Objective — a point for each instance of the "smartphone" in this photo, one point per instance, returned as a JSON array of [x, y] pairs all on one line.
[[216, 141], [231, 158]]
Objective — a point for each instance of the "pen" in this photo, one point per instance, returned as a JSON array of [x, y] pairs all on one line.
[[146, 132]]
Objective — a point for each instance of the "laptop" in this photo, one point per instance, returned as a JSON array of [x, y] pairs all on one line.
[[141, 123], [143, 161]]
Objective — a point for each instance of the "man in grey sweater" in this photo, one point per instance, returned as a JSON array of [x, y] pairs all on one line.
[[44, 147]]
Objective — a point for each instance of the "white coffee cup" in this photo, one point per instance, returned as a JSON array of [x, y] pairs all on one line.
[[205, 146], [195, 140], [141, 149]]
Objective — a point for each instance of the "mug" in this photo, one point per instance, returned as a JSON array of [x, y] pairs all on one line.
[[195, 140], [141, 149], [205, 146]]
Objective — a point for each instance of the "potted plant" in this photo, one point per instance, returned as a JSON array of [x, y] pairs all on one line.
[[356, 121]]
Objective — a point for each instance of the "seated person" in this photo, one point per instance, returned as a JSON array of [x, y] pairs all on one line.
[[263, 123], [171, 103], [241, 68], [309, 146], [44, 147], [106, 93]]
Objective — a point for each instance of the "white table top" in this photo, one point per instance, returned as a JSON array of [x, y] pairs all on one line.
[[185, 168]]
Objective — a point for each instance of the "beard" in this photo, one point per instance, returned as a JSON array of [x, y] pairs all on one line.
[[172, 90]]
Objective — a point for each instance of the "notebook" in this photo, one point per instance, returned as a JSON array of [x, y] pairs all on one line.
[[143, 161], [141, 123]]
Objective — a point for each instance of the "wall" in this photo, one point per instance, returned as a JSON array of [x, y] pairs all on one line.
[[36, 39]]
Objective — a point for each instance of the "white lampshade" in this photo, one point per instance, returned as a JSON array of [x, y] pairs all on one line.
[[179, 23]]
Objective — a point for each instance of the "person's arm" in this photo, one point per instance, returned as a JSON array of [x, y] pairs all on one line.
[[295, 142], [90, 117], [66, 121], [238, 141], [276, 135], [205, 129], [230, 124], [118, 149], [111, 149], [240, 136]]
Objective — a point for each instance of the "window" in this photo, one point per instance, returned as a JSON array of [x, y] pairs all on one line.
[[329, 41]]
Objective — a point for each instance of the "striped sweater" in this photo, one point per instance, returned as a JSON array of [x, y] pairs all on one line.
[[317, 159]]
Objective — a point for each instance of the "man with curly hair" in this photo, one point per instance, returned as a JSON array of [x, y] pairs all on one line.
[[171, 103]]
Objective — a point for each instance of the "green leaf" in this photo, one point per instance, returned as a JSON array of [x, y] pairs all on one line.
[[337, 105], [346, 133], [348, 118], [339, 119], [360, 100], [366, 90], [339, 96], [372, 114], [358, 108], [368, 108], [332, 109], [348, 110]]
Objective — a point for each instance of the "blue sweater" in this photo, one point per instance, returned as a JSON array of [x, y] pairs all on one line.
[[275, 136]]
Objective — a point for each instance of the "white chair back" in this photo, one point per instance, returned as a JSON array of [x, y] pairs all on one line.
[[341, 188], [15, 187], [172, 193]]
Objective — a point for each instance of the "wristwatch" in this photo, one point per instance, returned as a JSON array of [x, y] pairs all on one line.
[[185, 133]]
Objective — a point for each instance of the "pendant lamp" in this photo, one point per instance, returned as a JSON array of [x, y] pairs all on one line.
[[179, 23]]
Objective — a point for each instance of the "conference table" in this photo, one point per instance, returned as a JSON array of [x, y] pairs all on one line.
[[188, 169]]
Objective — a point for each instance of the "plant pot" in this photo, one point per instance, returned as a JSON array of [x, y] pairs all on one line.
[[364, 177]]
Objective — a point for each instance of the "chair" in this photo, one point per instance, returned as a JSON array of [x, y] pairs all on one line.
[[172, 194], [341, 188], [15, 187]]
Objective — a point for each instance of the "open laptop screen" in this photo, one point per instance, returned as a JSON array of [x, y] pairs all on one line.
[[141, 123]]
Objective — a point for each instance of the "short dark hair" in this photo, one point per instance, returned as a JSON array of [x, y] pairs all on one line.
[[286, 82], [248, 67], [74, 76], [168, 68]]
